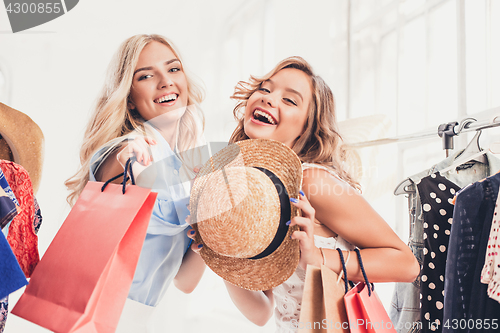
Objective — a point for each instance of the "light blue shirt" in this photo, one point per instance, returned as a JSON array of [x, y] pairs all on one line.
[[166, 239]]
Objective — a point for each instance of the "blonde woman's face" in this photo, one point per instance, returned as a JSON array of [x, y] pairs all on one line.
[[278, 109], [159, 86]]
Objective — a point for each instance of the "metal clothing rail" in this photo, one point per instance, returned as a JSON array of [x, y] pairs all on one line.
[[446, 131], [409, 137]]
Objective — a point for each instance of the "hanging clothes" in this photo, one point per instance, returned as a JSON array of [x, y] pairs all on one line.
[[37, 219], [8, 204], [467, 305], [6, 217], [20, 134], [4, 302], [11, 275], [7, 207], [405, 311], [436, 195], [490, 274], [21, 235]]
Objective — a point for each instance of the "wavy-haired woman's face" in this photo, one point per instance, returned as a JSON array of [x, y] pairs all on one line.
[[159, 86], [278, 109]]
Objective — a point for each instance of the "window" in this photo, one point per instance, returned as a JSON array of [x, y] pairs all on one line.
[[421, 63]]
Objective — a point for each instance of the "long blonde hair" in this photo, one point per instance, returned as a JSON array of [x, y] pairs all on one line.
[[320, 141], [112, 118]]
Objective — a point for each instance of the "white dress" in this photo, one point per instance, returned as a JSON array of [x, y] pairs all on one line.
[[288, 295]]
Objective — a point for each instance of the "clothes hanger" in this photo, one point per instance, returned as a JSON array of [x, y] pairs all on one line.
[[494, 149], [402, 188], [469, 152], [473, 152], [446, 131], [473, 147]]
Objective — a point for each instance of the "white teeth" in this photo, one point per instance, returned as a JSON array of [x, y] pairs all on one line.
[[168, 98], [264, 114]]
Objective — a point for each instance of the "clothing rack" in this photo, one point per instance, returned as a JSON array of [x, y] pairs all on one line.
[[446, 131]]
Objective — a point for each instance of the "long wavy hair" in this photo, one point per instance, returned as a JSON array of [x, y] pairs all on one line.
[[112, 118], [320, 141]]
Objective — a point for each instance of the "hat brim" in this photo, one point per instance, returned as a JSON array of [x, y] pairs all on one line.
[[25, 141], [270, 271]]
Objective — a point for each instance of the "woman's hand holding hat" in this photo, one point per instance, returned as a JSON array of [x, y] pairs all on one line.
[[196, 169], [309, 253], [191, 233]]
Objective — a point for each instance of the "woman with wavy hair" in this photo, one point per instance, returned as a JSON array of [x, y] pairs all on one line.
[[292, 105], [149, 108]]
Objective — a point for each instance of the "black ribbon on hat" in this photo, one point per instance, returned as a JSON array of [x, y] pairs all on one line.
[[284, 218]]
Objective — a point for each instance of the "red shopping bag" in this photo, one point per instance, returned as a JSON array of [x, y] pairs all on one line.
[[365, 311], [83, 279]]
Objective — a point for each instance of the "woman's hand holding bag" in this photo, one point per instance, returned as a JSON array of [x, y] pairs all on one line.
[[365, 311]]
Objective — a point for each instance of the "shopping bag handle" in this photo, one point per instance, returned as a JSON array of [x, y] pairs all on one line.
[[368, 284], [343, 268], [128, 168]]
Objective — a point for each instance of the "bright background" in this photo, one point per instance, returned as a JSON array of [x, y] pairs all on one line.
[[405, 66]]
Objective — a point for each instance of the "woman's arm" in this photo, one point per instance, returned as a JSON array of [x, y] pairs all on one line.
[[109, 168], [190, 272], [343, 210], [256, 306], [115, 161]]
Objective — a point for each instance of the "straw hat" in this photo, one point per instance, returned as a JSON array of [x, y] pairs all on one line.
[[240, 203], [21, 142]]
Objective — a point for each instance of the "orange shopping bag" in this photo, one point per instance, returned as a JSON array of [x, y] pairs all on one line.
[[365, 311], [82, 281], [323, 309]]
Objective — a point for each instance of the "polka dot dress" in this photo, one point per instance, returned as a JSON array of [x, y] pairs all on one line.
[[490, 274], [436, 195]]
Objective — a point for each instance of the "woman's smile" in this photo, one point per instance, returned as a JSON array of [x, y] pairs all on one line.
[[263, 117], [159, 85], [278, 110]]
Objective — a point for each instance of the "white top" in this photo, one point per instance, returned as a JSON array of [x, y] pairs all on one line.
[[288, 295]]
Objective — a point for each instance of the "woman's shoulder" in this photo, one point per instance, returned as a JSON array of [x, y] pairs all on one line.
[[322, 180], [316, 167], [314, 172]]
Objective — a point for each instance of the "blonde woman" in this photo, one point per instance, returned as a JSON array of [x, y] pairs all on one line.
[[148, 109], [294, 106]]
